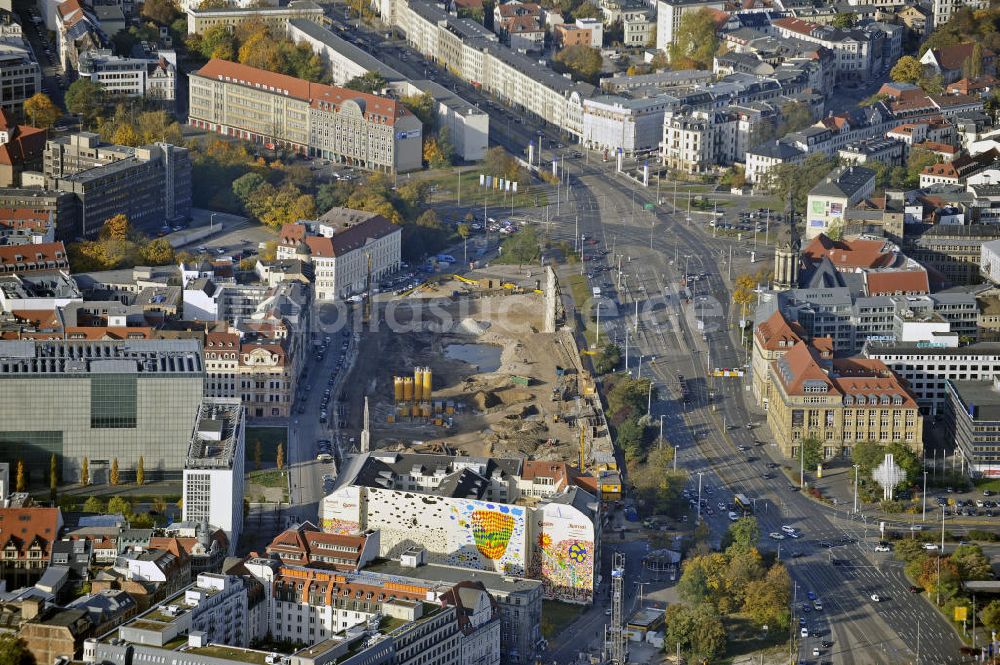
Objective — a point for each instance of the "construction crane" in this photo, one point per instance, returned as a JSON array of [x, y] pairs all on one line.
[[616, 638]]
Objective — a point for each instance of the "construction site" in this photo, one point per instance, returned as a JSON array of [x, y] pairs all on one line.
[[480, 364]]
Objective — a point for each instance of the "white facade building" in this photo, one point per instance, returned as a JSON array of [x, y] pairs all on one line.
[[213, 471], [668, 17], [611, 122], [699, 141], [345, 247], [154, 77], [989, 261], [926, 366], [596, 28]]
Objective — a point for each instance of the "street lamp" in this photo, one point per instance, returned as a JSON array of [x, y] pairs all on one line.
[[924, 516], [662, 416], [856, 468], [700, 474]]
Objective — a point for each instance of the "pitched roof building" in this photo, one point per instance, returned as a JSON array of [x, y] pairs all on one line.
[[26, 539]]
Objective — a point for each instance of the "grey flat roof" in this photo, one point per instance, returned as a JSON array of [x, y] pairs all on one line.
[[979, 397], [915, 348], [221, 418], [60, 357], [345, 48], [433, 572]]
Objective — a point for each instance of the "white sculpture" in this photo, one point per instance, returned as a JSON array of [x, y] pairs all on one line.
[[889, 475]]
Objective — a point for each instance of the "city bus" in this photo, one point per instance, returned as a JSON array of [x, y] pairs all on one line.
[[743, 504]]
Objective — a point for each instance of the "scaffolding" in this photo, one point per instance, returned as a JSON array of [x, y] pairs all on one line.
[[615, 637]]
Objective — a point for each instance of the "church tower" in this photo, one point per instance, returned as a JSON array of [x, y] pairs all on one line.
[[786, 254]]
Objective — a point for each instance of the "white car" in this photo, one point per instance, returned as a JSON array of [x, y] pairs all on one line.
[[883, 548], [818, 606], [804, 632], [788, 529], [930, 546], [774, 535], [733, 517], [875, 598]]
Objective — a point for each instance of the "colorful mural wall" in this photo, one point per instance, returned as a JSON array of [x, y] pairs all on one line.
[[340, 512], [565, 553]]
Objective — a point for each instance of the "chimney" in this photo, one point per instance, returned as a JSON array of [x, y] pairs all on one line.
[[31, 608]]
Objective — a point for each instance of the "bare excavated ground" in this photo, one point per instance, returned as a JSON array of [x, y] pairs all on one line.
[[494, 415]]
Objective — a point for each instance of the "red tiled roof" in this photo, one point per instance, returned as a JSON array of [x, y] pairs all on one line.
[[853, 376], [795, 25], [224, 340], [848, 254], [967, 86], [777, 333], [316, 94], [933, 146], [897, 282], [531, 469], [109, 332], [344, 241], [24, 142], [24, 527], [18, 218], [953, 57], [39, 318], [33, 257]]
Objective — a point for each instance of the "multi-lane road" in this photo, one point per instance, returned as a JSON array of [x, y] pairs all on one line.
[[607, 207]]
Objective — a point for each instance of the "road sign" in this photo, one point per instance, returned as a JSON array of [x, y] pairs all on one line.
[[961, 613], [648, 206]]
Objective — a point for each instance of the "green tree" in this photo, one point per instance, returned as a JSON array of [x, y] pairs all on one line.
[[116, 228], [86, 98], [20, 479], [114, 476], [119, 505], [53, 477], [521, 248], [13, 650], [608, 359], [795, 116], [586, 10], [40, 110], [160, 505], [812, 448], [844, 20], [157, 252], [990, 615], [695, 41], [280, 457], [698, 630], [368, 82], [93, 505], [657, 487], [798, 178], [217, 42], [908, 550], [766, 601], [918, 160], [163, 12], [972, 564], [907, 70], [246, 185], [423, 106], [257, 455], [742, 535], [693, 585], [140, 472], [972, 68], [582, 62], [85, 472]]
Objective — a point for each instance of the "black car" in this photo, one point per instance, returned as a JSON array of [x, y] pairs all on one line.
[[773, 465], [826, 644]]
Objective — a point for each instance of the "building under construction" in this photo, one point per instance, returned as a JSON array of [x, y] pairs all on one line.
[[413, 398]]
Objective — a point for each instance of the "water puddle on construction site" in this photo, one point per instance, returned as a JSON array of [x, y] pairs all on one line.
[[486, 357]]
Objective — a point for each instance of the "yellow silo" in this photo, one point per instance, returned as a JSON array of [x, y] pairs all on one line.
[[418, 384], [407, 389], [427, 384], [397, 384]]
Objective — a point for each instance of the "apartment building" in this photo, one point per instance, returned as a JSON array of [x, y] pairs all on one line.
[[154, 78], [943, 9], [521, 25], [306, 545], [950, 61], [452, 499], [474, 53], [275, 18], [100, 400], [840, 402], [20, 76], [830, 199], [346, 248], [668, 17], [213, 471], [698, 141], [613, 123], [26, 542], [258, 371], [859, 52], [151, 185], [372, 132], [33, 257], [772, 339]]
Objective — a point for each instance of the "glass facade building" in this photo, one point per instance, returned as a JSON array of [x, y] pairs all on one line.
[[102, 400]]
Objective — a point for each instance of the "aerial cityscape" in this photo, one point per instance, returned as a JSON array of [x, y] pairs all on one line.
[[499, 332]]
